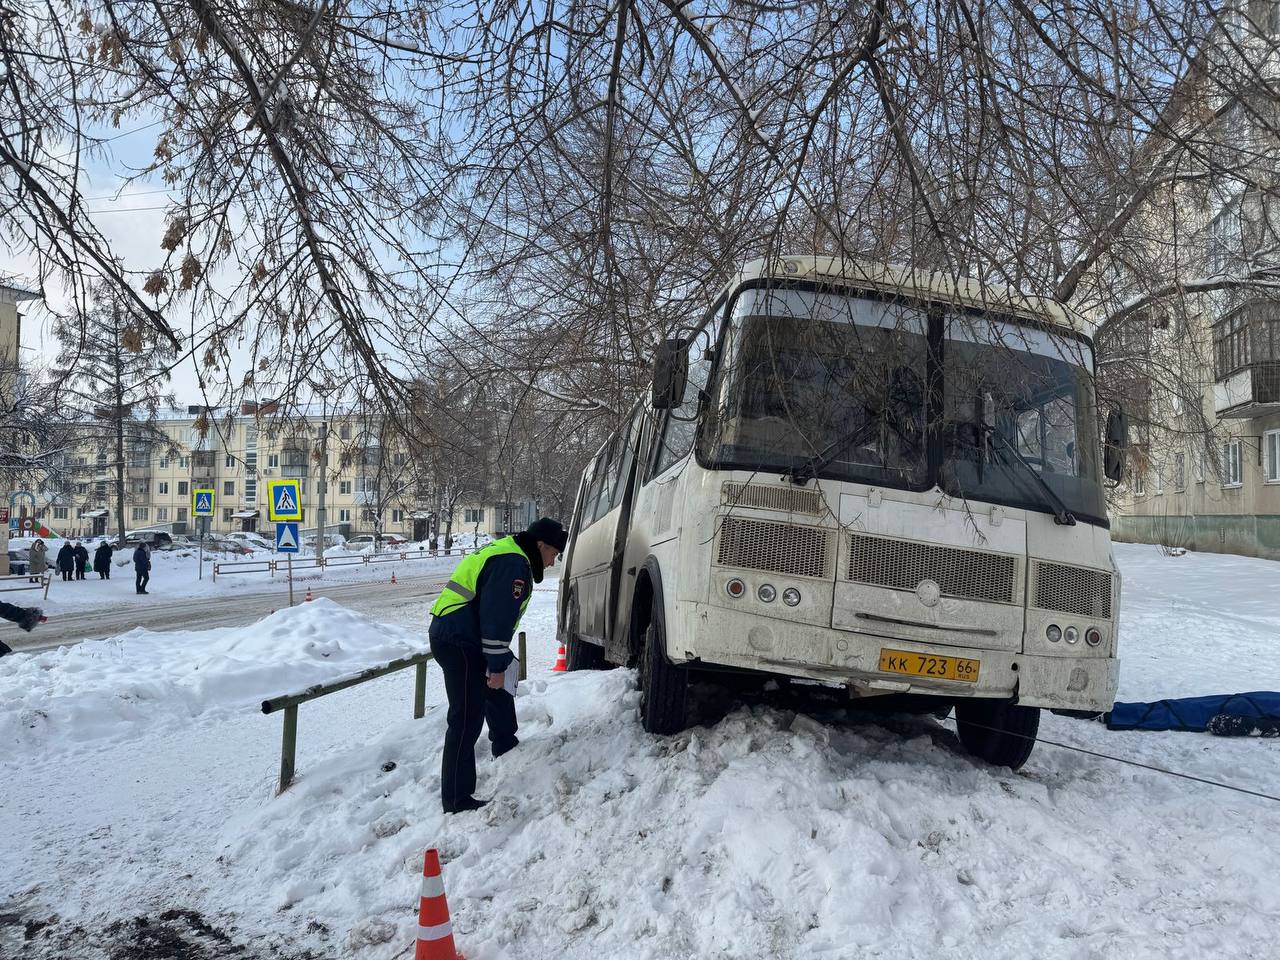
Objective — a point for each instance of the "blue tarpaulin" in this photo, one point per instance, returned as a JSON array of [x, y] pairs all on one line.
[[1194, 713]]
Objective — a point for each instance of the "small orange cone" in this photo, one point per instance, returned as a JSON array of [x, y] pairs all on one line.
[[309, 597], [561, 664], [393, 576], [435, 929]]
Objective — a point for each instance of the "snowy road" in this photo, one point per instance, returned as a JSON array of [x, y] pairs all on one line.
[[138, 799], [376, 599]]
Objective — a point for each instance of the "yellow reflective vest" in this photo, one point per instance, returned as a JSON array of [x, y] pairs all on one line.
[[461, 588]]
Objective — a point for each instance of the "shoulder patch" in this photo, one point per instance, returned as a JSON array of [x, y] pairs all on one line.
[[517, 589]]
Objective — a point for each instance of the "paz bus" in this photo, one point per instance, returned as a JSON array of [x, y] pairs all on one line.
[[867, 478]]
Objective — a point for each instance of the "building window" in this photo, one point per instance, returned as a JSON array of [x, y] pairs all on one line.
[[344, 516], [164, 463], [401, 459], [1179, 471], [273, 460], [141, 487], [164, 487], [344, 488], [473, 515], [397, 516], [59, 513], [1271, 456], [250, 490], [184, 463], [344, 432], [1139, 484], [226, 514], [367, 516], [82, 489], [1159, 490], [182, 515], [228, 488], [182, 488], [1201, 467], [162, 514], [230, 461], [1231, 473], [139, 514]]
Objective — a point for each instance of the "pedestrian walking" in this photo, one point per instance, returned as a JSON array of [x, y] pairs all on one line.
[[142, 567], [66, 560], [472, 623], [102, 560], [81, 556], [38, 560]]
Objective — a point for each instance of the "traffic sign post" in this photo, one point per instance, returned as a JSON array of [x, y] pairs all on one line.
[[203, 500], [287, 543]]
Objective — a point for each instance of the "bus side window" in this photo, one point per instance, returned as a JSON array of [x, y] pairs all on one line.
[[679, 425], [591, 491], [625, 455], [604, 485]]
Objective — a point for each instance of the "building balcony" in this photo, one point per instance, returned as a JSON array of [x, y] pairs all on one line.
[[1251, 391], [203, 474]]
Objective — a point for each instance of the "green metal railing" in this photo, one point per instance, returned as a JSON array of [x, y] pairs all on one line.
[[289, 703]]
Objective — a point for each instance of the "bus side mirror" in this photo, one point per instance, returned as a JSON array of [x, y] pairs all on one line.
[[670, 374], [1114, 443]]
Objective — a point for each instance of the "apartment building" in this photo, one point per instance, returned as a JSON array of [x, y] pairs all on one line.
[[1205, 470], [239, 452]]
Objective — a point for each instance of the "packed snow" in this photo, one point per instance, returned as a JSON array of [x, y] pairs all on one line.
[[762, 832]]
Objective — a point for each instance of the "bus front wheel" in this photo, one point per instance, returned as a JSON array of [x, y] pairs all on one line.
[[997, 731], [664, 687]]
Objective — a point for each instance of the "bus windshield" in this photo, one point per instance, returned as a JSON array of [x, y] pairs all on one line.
[[836, 385]]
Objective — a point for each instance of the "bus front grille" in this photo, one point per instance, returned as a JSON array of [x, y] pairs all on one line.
[[903, 564], [764, 497], [1078, 590], [776, 547]]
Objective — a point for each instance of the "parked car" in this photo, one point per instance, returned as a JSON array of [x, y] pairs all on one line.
[[255, 541], [330, 540], [18, 560], [156, 539]]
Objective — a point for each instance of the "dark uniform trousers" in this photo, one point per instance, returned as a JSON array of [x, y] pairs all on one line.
[[471, 704]]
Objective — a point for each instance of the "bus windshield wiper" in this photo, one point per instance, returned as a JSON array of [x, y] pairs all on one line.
[[1061, 515], [809, 469]]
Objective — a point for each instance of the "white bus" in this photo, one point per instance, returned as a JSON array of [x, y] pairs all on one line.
[[867, 477]]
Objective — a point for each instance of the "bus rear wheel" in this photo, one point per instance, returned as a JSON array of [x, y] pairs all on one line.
[[997, 731], [579, 654], [664, 687]]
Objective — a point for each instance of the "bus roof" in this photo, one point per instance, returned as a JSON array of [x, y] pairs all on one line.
[[930, 286]]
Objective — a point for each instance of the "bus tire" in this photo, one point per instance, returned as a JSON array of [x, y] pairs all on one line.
[[664, 687], [997, 731]]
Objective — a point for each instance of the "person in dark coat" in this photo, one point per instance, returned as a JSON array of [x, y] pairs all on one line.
[[102, 561], [472, 624], [142, 567], [25, 617], [82, 560], [66, 561]]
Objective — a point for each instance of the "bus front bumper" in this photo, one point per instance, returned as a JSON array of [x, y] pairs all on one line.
[[715, 636]]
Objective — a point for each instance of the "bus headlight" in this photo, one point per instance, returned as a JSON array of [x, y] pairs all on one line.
[[735, 588], [766, 593], [1093, 636], [1071, 635], [791, 596], [1053, 632]]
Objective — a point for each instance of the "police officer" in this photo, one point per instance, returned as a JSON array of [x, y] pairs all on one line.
[[472, 624]]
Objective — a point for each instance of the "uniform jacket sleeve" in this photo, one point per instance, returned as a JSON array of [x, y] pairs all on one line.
[[502, 587]]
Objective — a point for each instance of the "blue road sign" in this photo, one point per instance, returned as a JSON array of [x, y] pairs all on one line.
[[285, 500], [287, 537], [203, 503]]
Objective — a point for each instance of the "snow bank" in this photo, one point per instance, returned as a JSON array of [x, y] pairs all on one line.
[[109, 688]]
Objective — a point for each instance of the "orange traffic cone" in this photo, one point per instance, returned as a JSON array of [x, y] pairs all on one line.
[[309, 597], [561, 664], [393, 576], [435, 929]]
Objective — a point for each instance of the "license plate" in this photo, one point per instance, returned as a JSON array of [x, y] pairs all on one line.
[[929, 665]]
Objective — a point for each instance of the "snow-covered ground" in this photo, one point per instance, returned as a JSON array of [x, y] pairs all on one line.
[[176, 574], [138, 781]]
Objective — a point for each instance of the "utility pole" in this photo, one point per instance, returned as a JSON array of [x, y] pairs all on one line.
[[323, 484]]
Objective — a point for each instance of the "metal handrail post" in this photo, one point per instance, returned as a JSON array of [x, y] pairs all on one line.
[[288, 747], [420, 691]]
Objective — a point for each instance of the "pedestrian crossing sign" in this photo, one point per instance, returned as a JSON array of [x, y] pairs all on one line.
[[284, 500], [202, 502]]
